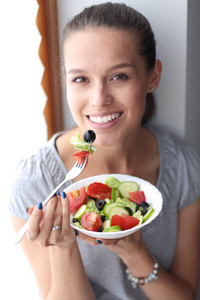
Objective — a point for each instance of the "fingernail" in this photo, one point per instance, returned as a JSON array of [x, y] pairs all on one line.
[[39, 206], [63, 195], [58, 194], [76, 232], [99, 242]]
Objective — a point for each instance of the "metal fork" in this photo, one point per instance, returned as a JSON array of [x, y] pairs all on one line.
[[73, 173]]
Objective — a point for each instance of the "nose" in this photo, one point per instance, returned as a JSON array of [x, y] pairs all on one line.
[[100, 96]]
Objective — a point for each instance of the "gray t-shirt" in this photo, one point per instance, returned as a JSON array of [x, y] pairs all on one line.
[[178, 181]]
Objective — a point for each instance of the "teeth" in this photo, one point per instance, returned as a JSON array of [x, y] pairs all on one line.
[[104, 119]]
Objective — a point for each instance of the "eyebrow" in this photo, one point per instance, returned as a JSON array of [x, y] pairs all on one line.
[[118, 66]]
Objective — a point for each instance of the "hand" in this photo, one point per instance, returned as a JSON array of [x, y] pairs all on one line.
[[57, 212], [127, 248]]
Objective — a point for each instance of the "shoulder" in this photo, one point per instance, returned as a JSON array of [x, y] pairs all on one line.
[[173, 148], [179, 167], [39, 164], [34, 179]]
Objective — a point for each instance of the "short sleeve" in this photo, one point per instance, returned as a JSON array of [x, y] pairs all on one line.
[[179, 174], [34, 179], [188, 175]]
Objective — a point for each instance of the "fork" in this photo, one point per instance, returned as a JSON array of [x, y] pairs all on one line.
[[73, 173]]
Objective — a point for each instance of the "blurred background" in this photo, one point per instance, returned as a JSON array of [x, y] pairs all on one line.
[[33, 99]]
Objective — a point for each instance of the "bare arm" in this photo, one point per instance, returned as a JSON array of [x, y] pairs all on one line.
[[54, 255], [181, 282]]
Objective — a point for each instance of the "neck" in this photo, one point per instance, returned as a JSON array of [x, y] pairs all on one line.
[[120, 158], [137, 156]]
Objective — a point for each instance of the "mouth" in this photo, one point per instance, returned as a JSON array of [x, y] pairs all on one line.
[[105, 118]]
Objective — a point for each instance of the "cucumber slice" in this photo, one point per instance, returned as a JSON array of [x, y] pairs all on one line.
[[112, 229], [141, 220], [80, 212], [117, 210], [106, 224], [148, 214], [126, 187], [108, 207], [115, 194]]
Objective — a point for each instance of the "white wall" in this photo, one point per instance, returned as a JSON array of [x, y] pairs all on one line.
[[22, 129], [170, 22]]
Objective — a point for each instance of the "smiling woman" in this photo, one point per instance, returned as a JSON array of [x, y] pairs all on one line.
[[115, 69]]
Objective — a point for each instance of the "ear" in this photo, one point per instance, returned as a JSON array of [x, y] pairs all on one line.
[[155, 75]]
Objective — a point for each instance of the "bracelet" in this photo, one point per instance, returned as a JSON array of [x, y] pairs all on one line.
[[142, 280]]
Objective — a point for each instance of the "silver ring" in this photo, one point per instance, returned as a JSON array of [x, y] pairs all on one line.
[[56, 227]]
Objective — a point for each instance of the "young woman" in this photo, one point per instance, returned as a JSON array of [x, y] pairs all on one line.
[[111, 71]]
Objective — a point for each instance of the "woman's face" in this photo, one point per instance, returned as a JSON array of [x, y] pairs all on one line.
[[107, 83]]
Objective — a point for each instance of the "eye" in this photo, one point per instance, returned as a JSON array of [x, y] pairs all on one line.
[[120, 76], [80, 79]]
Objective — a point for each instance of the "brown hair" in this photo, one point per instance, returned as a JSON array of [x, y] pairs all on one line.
[[124, 18]]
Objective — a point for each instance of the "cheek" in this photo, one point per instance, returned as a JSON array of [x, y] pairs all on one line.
[[135, 99], [72, 99], [76, 105], [72, 103]]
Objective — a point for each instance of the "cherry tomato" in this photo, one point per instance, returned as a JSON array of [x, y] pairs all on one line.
[[99, 190], [79, 156], [137, 197], [76, 199], [91, 221], [124, 221]]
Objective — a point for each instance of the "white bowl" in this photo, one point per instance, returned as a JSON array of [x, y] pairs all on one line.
[[152, 194]]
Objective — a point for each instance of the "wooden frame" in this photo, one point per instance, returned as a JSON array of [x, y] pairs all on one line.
[[47, 24]]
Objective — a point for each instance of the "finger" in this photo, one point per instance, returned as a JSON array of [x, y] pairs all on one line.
[[30, 210], [48, 219], [65, 213], [90, 240], [34, 222], [58, 212]]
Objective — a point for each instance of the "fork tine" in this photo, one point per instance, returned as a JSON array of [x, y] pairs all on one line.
[[82, 163]]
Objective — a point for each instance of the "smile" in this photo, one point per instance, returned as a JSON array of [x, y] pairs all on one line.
[[104, 119]]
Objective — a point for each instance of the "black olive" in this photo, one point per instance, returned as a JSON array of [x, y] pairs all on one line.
[[89, 136], [74, 220], [100, 229], [103, 218], [129, 210], [145, 203], [100, 204], [142, 207]]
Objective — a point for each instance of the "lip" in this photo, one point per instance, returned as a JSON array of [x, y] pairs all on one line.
[[106, 125]]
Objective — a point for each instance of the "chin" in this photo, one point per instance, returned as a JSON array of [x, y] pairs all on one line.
[[103, 140]]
